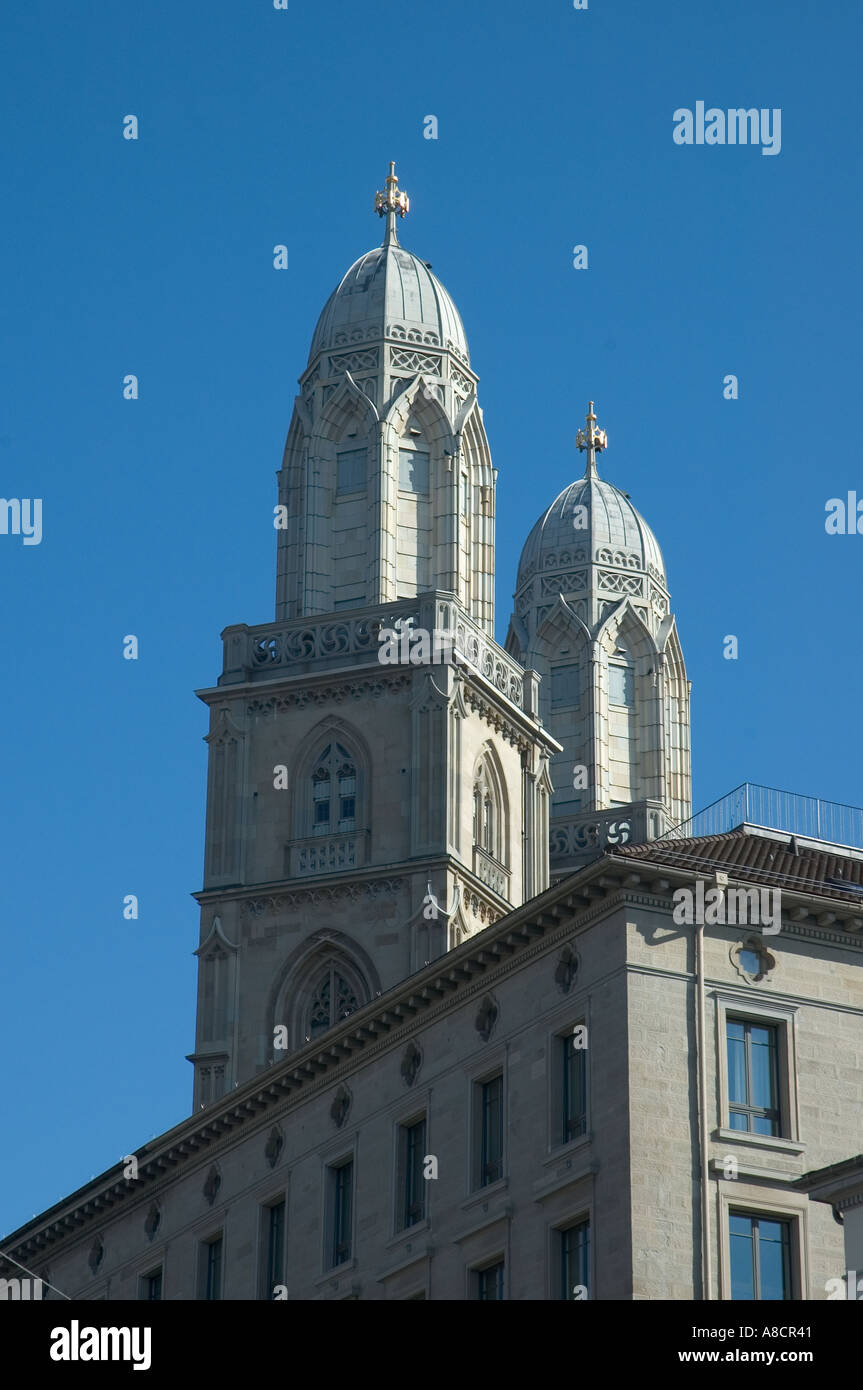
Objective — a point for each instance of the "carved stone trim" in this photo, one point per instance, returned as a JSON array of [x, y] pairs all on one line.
[[274, 1145], [411, 1063], [487, 1017], [212, 1185], [341, 1106], [376, 888], [567, 969]]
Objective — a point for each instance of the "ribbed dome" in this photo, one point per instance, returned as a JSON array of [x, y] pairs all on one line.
[[390, 293], [615, 535]]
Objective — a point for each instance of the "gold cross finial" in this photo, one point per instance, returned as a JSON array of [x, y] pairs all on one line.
[[393, 200], [591, 439]]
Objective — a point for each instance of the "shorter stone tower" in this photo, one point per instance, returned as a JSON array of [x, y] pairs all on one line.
[[593, 618]]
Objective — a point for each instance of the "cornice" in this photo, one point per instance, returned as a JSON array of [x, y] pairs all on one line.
[[453, 979]]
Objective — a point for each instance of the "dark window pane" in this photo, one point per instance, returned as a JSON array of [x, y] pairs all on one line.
[[275, 1246], [491, 1155], [214, 1270], [575, 1260], [342, 1212], [574, 1089]]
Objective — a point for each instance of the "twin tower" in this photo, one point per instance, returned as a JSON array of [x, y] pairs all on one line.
[[365, 815]]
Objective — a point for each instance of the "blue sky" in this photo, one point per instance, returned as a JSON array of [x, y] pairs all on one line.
[[154, 257]]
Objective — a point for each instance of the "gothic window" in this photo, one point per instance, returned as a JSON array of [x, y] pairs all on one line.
[[334, 792], [489, 829], [334, 999]]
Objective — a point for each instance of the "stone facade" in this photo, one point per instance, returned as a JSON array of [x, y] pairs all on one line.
[[601, 952]]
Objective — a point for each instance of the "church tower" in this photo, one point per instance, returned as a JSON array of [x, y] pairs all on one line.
[[378, 785], [593, 618]]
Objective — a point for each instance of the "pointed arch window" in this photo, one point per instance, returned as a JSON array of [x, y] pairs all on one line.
[[334, 792], [333, 999], [489, 818]]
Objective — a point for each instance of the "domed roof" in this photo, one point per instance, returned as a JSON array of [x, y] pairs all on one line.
[[615, 534], [390, 289]]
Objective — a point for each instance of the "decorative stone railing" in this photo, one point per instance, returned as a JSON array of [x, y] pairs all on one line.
[[306, 644], [490, 872], [326, 854], [593, 831]]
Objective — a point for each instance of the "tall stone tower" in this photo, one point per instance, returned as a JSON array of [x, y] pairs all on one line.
[[378, 781], [593, 618]]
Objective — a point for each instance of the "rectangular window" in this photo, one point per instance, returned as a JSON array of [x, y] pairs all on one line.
[[412, 1185], [565, 687], [213, 1269], [351, 475], [621, 685], [341, 1195], [151, 1287], [465, 495], [489, 1158], [760, 1257], [573, 1089], [274, 1248], [574, 1267], [489, 1282], [753, 1076], [413, 471]]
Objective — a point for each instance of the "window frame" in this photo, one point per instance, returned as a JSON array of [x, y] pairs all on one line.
[[748, 1109], [749, 1200], [564, 1282], [404, 1127], [481, 1272], [205, 1266], [575, 1013], [749, 1008], [156, 1271], [332, 1168], [267, 1283], [478, 1160]]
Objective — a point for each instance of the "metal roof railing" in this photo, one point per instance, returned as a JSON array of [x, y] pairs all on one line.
[[752, 804]]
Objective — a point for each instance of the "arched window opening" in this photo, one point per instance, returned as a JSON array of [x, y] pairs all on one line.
[[333, 1000], [489, 812], [334, 792]]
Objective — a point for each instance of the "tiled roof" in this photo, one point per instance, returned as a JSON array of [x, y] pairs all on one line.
[[778, 862]]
